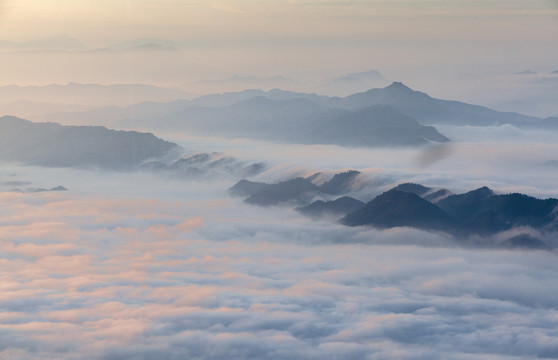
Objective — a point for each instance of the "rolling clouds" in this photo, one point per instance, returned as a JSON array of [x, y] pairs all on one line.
[[178, 270]]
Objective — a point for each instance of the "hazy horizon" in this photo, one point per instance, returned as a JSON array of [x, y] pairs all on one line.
[[467, 50]]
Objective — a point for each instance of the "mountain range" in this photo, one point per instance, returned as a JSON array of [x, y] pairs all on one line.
[[51, 144], [298, 190], [55, 145], [477, 214], [392, 116]]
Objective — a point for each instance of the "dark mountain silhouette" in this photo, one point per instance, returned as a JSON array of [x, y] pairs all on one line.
[[484, 212], [51, 144], [246, 188], [424, 192], [413, 188], [500, 212], [340, 183], [397, 208], [299, 190], [465, 207], [338, 207], [478, 212]]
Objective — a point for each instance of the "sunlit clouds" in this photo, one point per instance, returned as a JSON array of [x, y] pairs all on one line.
[[112, 277]]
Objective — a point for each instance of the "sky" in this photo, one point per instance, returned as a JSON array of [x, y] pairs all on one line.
[[429, 45]]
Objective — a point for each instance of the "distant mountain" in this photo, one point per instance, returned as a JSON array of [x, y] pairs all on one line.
[[150, 44], [56, 43], [89, 94], [549, 123], [337, 207], [36, 110], [148, 113], [378, 125], [50, 144], [431, 111], [392, 116], [298, 120]]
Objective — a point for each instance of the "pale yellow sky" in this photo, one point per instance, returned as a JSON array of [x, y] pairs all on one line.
[[101, 22], [412, 40]]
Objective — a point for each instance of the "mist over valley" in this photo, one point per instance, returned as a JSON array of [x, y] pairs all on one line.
[[306, 180]]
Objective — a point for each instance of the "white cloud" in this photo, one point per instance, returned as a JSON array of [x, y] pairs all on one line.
[[140, 274]]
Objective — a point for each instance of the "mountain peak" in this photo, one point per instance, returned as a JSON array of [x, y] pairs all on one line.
[[396, 85]]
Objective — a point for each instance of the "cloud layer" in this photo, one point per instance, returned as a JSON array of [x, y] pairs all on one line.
[[169, 272]]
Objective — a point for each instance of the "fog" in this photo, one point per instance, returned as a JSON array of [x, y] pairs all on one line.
[[135, 265]]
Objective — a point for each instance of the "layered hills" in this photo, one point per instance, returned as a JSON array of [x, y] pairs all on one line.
[[394, 115], [51, 144], [55, 145], [479, 213]]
